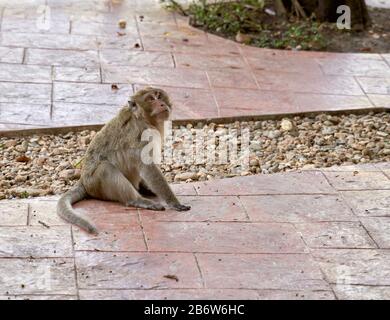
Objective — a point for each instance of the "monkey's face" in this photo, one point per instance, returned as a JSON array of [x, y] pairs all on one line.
[[155, 103]]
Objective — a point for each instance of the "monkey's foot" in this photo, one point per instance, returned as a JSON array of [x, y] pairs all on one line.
[[181, 207], [145, 204]]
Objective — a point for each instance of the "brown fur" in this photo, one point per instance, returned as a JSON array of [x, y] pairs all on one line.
[[113, 169]]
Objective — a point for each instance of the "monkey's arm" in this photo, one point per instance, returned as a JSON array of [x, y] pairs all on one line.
[[156, 182]]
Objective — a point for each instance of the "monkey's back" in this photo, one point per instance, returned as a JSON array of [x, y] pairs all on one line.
[[118, 142]]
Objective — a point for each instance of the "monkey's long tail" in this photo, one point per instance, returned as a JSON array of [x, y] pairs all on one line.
[[66, 212]]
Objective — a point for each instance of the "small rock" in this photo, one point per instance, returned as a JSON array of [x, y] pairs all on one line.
[[22, 158], [274, 134], [286, 125], [22, 147], [122, 24], [253, 162], [185, 176], [70, 174], [10, 143], [20, 178]]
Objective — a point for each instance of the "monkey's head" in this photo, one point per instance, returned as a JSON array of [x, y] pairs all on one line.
[[153, 103]]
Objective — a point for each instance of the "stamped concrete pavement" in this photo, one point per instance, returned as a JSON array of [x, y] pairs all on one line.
[[304, 235]]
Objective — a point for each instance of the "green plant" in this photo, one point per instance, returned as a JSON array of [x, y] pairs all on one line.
[[248, 17], [304, 34], [228, 18], [24, 195]]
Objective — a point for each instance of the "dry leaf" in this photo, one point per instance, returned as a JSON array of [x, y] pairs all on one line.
[[23, 158], [122, 24], [172, 277]]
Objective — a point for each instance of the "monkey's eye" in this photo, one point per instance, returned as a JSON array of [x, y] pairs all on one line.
[[158, 95]]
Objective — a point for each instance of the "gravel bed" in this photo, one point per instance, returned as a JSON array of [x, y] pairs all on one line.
[[50, 164]]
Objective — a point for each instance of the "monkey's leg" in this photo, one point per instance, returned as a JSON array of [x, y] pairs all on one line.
[[145, 191], [117, 188], [156, 182]]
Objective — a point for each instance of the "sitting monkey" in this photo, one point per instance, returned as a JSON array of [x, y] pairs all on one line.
[[113, 169]]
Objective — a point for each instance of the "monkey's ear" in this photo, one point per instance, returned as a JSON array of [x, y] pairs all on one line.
[[132, 105]]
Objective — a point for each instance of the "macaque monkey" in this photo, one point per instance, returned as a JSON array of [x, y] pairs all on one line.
[[113, 168]]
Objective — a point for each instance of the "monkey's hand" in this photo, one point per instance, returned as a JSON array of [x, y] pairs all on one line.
[[181, 207]]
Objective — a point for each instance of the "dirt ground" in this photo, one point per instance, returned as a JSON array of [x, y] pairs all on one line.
[[308, 35]]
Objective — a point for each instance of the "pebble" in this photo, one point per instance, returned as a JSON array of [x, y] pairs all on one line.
[[275, 146], [287, 125]]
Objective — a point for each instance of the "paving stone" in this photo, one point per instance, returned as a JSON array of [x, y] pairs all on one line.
[[380, 100], [358, 180], [335, 235], [154, 76], [379, 229], [165, 29], [135, 58], [38, 297], [11, 55], [297, 208], [382, 165], [28, 93], [128, 42], [355, 67], [169, 294], [4, 127], [155, 16], [83, 113], [13, 213], [25, 113], [386, 57], [37, 276], [291, 64], [309, 83], [208, 62], [136, 270], [354, 266], [232, 79], [24, 73], [375, 85], [24, 242], [70, 58], [39, 25], [48, 41], [279, 183], [77, 74], [203, 208], [91, 93], [30, 12], [103, 207], [44, 212], [369, 203], [87, 27], [211, 237], [261, 271], [182, 189], [296, 295], [253, 102], [350, 292], [355, 168], [190, 103], [326, 102], [197, 44], [117, 232]]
